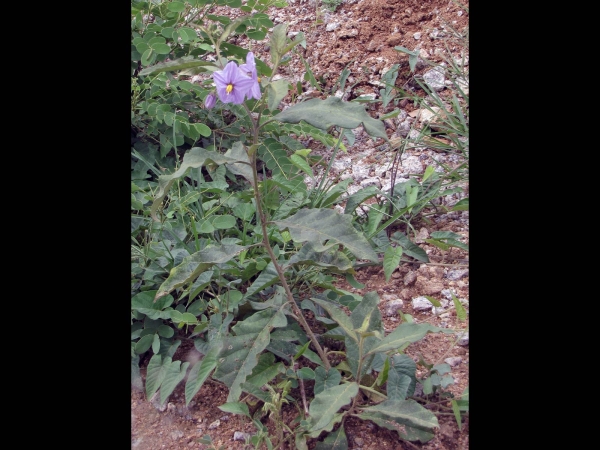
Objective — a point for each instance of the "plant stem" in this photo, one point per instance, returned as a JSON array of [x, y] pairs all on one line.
[[267, 245], [301, 381]]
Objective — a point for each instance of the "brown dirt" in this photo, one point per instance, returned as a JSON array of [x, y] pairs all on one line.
[[366, 38]]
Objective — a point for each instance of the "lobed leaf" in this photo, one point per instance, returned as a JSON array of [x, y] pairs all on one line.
[[174, 374], [323, 408], [333, 112], [401, 377], [400, 415], [265, 370], [199, 373], [239, 353], [155, 374], [197, 157], [326, 379], [186, 62], [406, 333], [320, 226], [193, 265], [331, 259]]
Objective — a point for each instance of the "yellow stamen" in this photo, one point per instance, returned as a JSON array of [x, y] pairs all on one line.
[[229, 88], [258, 79]]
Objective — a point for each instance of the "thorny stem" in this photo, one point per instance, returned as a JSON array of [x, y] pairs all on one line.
[[301, 381], [265, 239]]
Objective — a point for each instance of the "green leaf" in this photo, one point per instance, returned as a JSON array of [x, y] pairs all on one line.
[[300, 441], [186, 62], [391, 259], [223, 222], [456, 411], [461, 205], [244, 211], [461, 313], [199, 373], [202, 129], [352, 282], [256, 391], [326, 379], [359, 197], [428, 172], [313, 357], [276, 91], [324, 228], [273, 154], [301, 163], [173, 375], [144, 303], [265, 370], [141, 46], [325, 404], [267, 278], [433, 301], [241, 165], [412, 192], [161, 49], [144, 344], [398, 385], [333, 112], [166, 331], [196, 157], [331, 259], [402, 416], [413, 56], [187, 34], [236, 408], [339, 316], [231, 26], [335, 440], [278, 41], [148, 57], [176, 6], [383, 374], [410, 248], [167, 32], [156, 344], [406, 333], [239, 353], [300, 352], [438, 244], [155, 374], [427, 386], [193, 265], [306, 373], [365, 318]]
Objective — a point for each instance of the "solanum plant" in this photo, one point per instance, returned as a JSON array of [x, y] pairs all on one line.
[[231, 248]]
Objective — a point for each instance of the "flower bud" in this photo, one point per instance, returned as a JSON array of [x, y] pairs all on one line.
[[210, 101]]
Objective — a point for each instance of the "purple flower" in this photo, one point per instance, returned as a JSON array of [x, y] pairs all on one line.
[[210, 101], [232, 84], [250, 68]]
